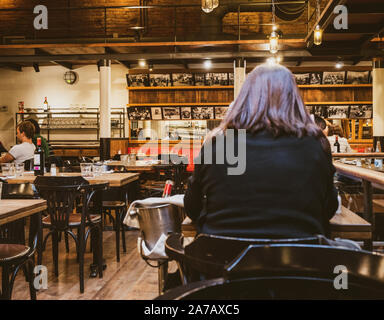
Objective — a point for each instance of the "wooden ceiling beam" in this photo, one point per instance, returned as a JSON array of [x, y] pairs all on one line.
[[109, 50], [42, 52]]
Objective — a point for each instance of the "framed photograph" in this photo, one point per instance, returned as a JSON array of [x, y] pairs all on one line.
[[216, 79], [171, 113], [309, 109], [199, 79], [302, 78], [357, 77], [334, 77], [360, 112], [138, 80], [160, 80], [231, 79], [338, 112], [220, 112], [315, 78], [320, 111], [202, 113], [156, 113], [186, 113], [182, 79], [139, 113]]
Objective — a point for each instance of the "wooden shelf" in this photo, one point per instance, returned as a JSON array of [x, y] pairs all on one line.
[[322, 86], [178, 104], [338, 103], [180, 88]]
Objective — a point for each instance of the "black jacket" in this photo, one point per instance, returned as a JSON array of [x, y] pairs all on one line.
[[286, 191]]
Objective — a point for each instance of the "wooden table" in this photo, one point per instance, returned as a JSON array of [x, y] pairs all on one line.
[[114, 179], [12, 210], [346, 225], [359, 155]]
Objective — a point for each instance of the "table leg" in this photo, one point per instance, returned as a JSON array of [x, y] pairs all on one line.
[[36, 236], [368, 212]]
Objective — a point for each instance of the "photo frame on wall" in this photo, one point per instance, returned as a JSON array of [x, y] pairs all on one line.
[[186, 113], [334, 77], [171, 113], [231, 79], [315, 78], [220, 112], [139, 113], [361, 111], [357, 77], [160, 80], [199, 79], [320, 111], [138, 80], [338, 112], [202, 113], [302, 78], [216, 79], [182, 79], [156, 113]]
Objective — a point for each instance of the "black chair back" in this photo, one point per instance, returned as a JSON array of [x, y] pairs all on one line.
[[19, 191], [291, 271]]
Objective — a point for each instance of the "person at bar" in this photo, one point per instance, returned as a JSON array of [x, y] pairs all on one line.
[[25, 150], [336, 131], [322, 124], [287, 188]]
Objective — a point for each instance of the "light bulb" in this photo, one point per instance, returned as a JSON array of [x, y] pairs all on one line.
[[339, 65], [142, 63], [215, 4], [207, 6], [273, 42], [207, 64], [318, 36]]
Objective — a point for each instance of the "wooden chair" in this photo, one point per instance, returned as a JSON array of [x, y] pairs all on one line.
[[206, 256], [290, 271], [62, 195], [14, 254]]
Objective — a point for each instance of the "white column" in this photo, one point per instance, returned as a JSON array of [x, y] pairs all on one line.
[[105, 97], [239, 75]]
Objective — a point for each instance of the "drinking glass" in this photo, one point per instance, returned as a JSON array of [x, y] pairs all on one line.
[[86, 169], [8, 169], [19, 169], [97, 169]]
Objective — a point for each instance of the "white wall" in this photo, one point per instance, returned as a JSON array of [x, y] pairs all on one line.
[[31, 87]]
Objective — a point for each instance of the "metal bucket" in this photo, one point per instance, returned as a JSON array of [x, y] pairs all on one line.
[[157, 220]]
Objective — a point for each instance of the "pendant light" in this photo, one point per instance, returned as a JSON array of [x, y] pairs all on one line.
[[274, 37], [318, 33], [215, 4], [207, 5]]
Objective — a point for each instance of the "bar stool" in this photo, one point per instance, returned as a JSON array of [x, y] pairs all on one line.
[[120, 208]]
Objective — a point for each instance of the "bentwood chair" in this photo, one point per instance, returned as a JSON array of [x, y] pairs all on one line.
[[291, 271], [73, 204], [14, 254], [206, 256]]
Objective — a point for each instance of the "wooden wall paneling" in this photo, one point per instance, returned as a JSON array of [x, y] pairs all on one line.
[[119, 145]]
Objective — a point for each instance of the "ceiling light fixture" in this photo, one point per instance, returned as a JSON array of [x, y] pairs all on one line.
[[142, 63], [209, 5], [150, 67], [208, 64], [339, 64], [318, 33], [274, 37]]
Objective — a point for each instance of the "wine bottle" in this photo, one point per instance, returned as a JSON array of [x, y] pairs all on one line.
[[378, 162], [337, 144], [39, 159], [45, 105]]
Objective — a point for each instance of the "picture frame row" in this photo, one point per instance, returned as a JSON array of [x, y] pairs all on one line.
[[180, 79], [177, 113], [361, 111], [334, 78]]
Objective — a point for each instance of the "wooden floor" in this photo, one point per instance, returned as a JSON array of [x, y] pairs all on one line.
[[131, 279]]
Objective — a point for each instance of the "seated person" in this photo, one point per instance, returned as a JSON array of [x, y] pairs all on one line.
[[286, 188], [322, 124], [336, 131], [44, 143], [25, 150]]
